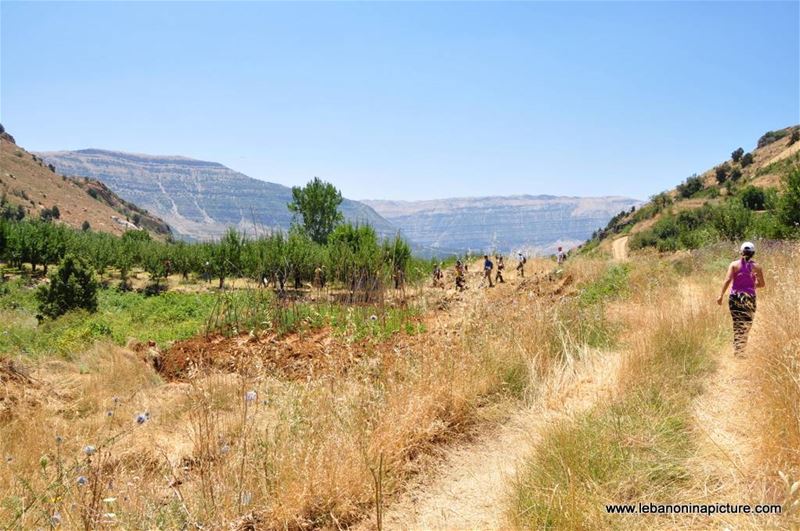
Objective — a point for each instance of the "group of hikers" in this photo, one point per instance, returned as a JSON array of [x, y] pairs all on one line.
[[461, 269], [743, 277]]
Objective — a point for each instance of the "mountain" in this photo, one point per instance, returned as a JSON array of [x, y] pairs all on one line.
[[28, 182], [199, 199], [533, 223]]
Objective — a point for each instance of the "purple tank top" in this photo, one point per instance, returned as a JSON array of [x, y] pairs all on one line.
[[744, 280]]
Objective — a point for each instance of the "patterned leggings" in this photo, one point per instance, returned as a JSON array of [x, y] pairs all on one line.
[[743, 309]]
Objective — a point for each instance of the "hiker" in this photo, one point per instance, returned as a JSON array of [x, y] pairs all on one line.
[[561, 256], [461, 283], [488, 266], [500, 267], [438, 275], [744, 276], [521, 260]]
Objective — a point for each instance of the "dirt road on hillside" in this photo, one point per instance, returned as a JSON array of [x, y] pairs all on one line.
[[619, 248]]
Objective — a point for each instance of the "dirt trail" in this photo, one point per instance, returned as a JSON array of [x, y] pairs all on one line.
[[619, 248], [467, 490]]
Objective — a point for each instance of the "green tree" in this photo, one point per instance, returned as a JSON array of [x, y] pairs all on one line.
[[754, 198], [789, 203], [732, 220], [747, 159], [722, 171], [226, 256], [737, 154], [72, 286], [317, 203]]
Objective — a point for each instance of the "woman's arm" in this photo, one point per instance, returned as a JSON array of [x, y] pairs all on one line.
[[728, 280], [759, 277]]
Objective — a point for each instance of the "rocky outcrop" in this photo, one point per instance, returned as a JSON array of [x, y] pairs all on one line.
[[506, 224], [198, 199]]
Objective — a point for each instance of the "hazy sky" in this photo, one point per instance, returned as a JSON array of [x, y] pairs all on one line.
[[409, 100]]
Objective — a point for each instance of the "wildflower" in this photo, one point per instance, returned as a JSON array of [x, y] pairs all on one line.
[[55, 520], [373, 317], [109, 413], [89, 449], [116, 400], [141, 418], [246, 498], [250, 396], [82, 481], [225, 449], [59, 439]]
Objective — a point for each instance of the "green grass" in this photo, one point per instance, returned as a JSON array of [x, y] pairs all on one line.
[[120, 317], [172, 316]]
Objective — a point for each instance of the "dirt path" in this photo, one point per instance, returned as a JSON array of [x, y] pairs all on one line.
[[468, 487], [619, 248]]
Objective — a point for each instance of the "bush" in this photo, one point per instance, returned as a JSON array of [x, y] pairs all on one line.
[[747, 160], [73, 286], [722, 171], [771, 136], [736, 174], [690, 186], [754, 198], [737, 154], [732, 221], [789, 203], [795, 136], [86, 226]]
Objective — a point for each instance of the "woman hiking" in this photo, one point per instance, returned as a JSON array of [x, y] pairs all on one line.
[[743, 276]]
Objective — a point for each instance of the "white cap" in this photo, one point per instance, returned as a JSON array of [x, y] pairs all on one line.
[[748, 247]]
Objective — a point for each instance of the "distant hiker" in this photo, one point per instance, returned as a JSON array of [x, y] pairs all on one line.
[[438, 277], [561, 256], [744, 276], [461, 282], [500, 267], [488, 266], [521, 260]]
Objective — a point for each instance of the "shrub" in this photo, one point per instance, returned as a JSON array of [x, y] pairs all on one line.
[[747, 160], [722, 171], [732, 220], [753, 198], [771, 136], [690, 186], [86, 226], [795, 136], [789, 203], [737, 154], [72, 286], [736, 174]]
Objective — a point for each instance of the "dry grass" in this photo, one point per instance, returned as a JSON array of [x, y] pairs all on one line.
[[302, 454], [634, 447], [775, 347]]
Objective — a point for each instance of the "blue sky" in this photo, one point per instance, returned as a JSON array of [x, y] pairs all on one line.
[[409, 100]]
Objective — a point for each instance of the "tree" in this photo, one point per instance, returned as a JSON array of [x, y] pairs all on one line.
[[732, 220], [317, 203], [226, 256], [72, 286], [747, 159], [754, 198], [690, 186], [737, 154], [795, 136], [736, 174], [789, 204], [722, 171], [86, 226]]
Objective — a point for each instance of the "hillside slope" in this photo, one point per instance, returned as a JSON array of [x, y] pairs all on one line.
[[28, 182], [199, 199], [536, 223], [738, 198]]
